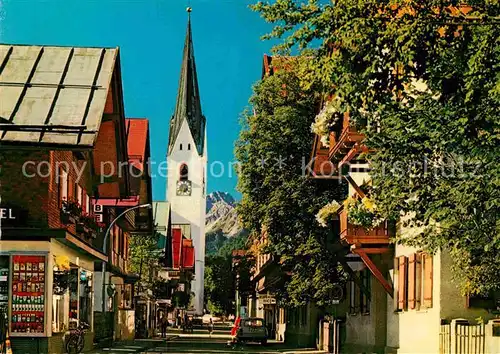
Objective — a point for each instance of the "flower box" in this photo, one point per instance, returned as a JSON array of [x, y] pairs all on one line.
[[353, 234], [67, 218]]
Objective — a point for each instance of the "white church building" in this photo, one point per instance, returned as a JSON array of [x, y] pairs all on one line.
[[187, 166]]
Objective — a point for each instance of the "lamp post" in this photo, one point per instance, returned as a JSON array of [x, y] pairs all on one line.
[[149, 206]]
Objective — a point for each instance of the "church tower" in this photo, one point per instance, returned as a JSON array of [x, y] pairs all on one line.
[[187, 165]]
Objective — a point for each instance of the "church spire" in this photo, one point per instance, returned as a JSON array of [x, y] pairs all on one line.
[[188, 104]]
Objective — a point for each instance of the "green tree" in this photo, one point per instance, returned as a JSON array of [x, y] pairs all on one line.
[[277, 196], [144, 256], [219, 284], [423, 80]]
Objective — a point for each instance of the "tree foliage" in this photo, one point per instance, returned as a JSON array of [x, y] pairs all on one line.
[[144, 256], [219, 284], [273, 150], [424, 80], [221, 277]]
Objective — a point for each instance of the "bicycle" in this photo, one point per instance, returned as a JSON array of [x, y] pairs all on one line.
[[76, 340]]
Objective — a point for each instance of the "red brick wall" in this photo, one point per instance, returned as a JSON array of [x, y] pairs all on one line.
[[85, 181], [105, 151], [28, 193]]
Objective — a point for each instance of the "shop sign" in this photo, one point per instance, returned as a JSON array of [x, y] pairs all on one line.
[[12, 216], [7, 214]]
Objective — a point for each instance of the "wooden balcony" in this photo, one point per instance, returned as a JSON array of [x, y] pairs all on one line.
[[357, 235], [341, 143]]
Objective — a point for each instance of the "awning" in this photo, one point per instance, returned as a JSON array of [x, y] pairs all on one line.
[[80, 246], [121, 202], [53, 96]]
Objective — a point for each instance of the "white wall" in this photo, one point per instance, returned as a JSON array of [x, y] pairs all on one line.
[[417, 330], [190, 209]]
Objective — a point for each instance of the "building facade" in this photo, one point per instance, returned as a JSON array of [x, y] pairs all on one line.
[[63, 179], [399, 298]]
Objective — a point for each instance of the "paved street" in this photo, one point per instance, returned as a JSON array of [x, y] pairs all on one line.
[[197, 343], [204, 344]]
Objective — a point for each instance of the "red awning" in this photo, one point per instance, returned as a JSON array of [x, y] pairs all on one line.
[[176, 248], [188, 257], [124, 202]]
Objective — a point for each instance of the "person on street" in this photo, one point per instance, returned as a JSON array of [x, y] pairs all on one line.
[[234, 333], [210, 328], [163, 324]]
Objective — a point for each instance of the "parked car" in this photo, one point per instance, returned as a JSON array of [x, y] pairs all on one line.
[[207, 317], [197, 321], [252, 330]]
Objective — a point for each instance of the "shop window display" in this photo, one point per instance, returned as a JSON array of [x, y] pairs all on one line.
[[86, 310], [28, 294], [4, 288], [74, 278], [60, 299]]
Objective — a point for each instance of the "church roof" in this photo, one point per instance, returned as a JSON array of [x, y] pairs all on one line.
[[188, 105]]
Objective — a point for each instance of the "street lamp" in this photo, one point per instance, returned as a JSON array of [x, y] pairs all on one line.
[[149, 206]]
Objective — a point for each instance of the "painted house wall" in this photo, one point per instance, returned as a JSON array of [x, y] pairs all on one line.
[[415, 330], [367, 332], [190, 209]]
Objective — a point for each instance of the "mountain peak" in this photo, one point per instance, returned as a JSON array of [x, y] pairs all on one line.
[[221, 214], [219, 196]]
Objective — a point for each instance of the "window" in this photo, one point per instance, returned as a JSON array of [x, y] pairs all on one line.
[[63, 185], [359, 303], [180, 147], [364, 301], [189, 146], [353, 293], [413, 282], [126, 296], [85, 305], [183, 172], [87, 203], [79, 194]]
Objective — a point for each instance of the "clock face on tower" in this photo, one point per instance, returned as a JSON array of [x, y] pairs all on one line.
[[184, 188]]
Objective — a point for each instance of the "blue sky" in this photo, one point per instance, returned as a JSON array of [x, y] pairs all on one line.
[[150, 34]]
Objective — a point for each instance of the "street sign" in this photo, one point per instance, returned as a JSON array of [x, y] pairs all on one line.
[[267, 300]]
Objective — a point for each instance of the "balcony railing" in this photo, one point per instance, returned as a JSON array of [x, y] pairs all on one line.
[[353, 234], [342, 142]]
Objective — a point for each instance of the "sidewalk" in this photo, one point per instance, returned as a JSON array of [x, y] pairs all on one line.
[[133, 346]]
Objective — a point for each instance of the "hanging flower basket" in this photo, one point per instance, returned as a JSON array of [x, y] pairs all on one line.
[[326, 120], [328, 213]]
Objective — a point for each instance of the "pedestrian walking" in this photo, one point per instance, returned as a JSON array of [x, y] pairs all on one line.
[[210, 328], [163, 324]]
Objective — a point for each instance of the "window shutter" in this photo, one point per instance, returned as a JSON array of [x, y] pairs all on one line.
[[412, 281], [418, 280], [395, 278], [427, 275], [403, 276]]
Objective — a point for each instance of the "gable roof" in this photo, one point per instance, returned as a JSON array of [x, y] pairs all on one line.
[[53, 95], [188, 105], [137, 137]]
